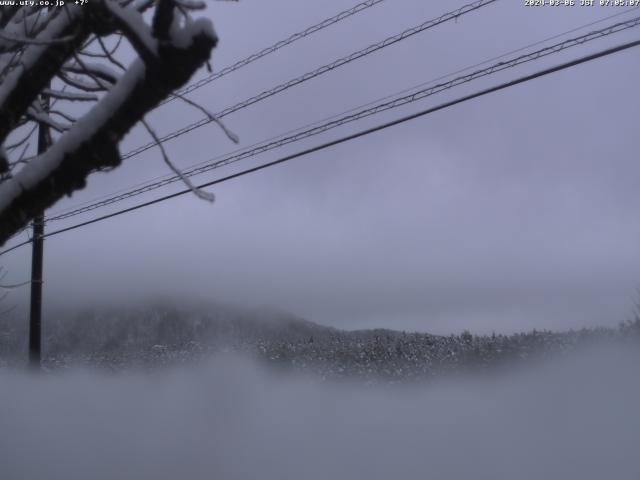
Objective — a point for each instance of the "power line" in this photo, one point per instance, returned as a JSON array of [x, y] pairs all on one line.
[[362, 133], [367, 112], [453, 15], [381, 107], [360, 7], [276, 46], [172, 178]]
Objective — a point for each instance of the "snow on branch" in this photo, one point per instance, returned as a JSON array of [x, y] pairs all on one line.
[[197, 191], [37, 65], [50, 63], [133, 26], [40, 116], [71, 96], [32, 41], [98, 70]]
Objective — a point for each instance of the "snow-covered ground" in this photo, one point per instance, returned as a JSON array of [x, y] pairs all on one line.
[[575, 418]]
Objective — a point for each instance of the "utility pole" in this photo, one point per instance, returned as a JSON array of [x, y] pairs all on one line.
[[37, 254]]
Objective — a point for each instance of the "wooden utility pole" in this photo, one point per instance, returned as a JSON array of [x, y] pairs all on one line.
[[37, 254], [35, 317]]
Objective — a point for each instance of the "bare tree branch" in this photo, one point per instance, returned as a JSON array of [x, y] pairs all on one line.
[[198, 192], [133, 26], [162, 20], [38, 64], [166, 62]]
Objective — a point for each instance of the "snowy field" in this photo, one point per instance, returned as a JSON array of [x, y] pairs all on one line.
[[230, 419]]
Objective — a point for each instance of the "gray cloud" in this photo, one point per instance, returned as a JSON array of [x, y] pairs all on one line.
[[513, 211]]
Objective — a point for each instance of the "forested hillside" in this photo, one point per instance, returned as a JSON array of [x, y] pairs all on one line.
[[162, 334]]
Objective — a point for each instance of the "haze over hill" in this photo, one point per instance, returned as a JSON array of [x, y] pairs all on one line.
[[575, 418], [158, 333]]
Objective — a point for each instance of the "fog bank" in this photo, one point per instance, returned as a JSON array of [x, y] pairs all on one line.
[[230, 419]]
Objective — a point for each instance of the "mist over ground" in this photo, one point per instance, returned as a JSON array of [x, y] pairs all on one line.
[[236, 393], [228, 418], [165, 333], [493, 227]]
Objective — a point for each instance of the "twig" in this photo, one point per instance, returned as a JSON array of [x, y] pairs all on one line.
[[210, 197]]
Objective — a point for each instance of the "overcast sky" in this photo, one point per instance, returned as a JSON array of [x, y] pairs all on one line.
[[514, 211]]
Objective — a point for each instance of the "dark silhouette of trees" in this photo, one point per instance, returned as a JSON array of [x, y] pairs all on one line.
[[52, 59]]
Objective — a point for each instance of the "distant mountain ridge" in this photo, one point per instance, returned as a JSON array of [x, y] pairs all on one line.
[[153, 335], [144, 325]]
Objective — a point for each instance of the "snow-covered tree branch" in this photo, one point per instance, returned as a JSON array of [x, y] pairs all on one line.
[[69, 55]]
